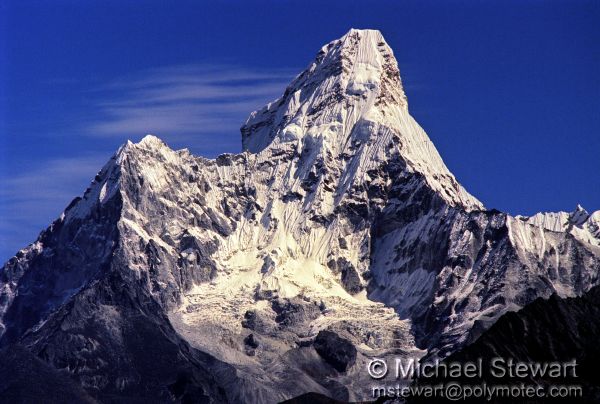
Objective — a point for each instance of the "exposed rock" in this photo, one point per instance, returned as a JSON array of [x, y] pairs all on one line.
[[26, 379], [337, 351], [338, 189], [553, 330]]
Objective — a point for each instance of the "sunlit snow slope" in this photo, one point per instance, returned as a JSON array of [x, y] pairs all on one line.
[[339, 216]]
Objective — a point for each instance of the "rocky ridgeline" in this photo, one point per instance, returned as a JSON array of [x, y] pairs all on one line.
[[337, 236]]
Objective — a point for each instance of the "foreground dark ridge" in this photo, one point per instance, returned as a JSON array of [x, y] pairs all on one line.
[[556, 330]]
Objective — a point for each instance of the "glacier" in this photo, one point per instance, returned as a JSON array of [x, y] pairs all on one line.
[[177, 277]]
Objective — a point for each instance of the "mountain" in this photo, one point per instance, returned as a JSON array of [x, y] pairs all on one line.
[[338, 235], [25, 378], [544, 331]]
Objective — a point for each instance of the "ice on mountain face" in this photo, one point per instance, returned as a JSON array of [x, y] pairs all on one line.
[[579, 216], [339, 216], [349, 69], [579, 223], [350, 101], [544, 331]]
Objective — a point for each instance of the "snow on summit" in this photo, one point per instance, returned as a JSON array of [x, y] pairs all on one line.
[[336, 237], [351, 91]]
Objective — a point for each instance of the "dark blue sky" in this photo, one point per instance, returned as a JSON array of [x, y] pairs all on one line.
[[509, 91]]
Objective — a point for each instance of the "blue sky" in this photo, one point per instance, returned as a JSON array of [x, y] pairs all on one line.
[[508, 91]]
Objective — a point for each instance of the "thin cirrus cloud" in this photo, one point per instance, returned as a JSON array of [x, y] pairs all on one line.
[[196, 106], [199, 105], [29, 201]]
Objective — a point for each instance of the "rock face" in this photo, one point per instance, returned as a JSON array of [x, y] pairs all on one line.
[[26, 379], [339, 218], [545, 331], [338, 352]]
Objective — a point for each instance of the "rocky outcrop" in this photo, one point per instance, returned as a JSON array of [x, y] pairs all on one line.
[[338, 352], [182, 278], [553, 330]]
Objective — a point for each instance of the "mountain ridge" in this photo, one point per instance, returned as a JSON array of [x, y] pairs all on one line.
[[339, 216]]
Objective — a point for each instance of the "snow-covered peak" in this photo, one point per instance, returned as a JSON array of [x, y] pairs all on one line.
[[368, 59], [578, 216], [362, 63], [558, 221], [151, 141], [348, 77], [350, 102], [148, 142], [582, 225], [342, 221]]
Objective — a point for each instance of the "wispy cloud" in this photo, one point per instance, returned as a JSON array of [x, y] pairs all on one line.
[[30, 201], [193, 103], [197, 106]]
